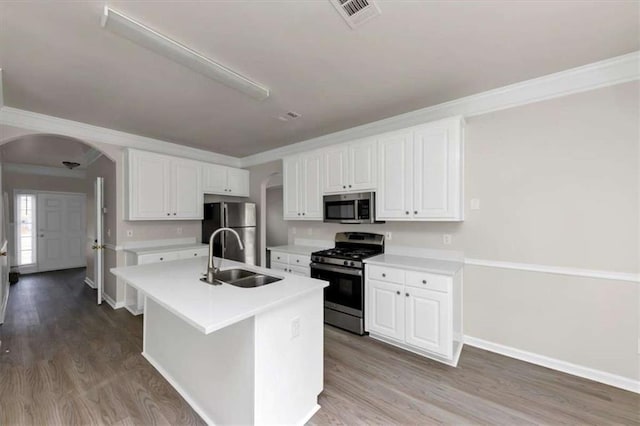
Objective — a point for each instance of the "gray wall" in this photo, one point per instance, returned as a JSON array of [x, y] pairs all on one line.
[[558, 185]]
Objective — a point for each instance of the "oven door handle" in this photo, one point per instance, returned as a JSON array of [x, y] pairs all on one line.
[[337, 269]]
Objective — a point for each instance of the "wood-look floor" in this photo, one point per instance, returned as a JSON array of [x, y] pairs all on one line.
[[66, 361]]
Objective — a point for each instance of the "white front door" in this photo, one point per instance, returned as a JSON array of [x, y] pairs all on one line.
[[61, 229]]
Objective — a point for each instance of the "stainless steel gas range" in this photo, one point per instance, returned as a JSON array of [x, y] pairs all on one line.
[[343, 268]]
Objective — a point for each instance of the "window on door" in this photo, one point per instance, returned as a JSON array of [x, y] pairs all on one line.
[[26, 236]]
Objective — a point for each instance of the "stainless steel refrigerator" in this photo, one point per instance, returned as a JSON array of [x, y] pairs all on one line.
[[241, 217]]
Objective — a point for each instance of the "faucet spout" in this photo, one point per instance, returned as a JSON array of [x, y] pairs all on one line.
[[211, 268]]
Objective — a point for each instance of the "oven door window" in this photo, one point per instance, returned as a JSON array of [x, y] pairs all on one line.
[[340, 210], [344, 289]]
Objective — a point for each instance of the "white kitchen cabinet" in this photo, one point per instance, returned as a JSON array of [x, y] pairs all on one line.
[[350, 167], [296, 264], [160, 187], [225, 180], [421, 173], [386, 309], [302, 183], [133, 299], [427, 318], [415, 310]]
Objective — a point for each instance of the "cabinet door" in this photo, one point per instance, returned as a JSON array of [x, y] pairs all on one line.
[[436, 180], [362, 165], [149, 186], [386, 309], [187, 199], [395, 183], [310, 192], [214, 179], [238, 182], [291, 184], [428, 314], [335, 169]]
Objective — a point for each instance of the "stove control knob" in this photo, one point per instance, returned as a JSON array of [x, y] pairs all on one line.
[[321, 259], [353, 264], [346, 263]]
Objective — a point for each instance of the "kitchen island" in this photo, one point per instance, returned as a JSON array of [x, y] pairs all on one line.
[[236, 355]]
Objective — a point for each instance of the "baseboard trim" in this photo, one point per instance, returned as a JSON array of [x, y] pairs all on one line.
[[178, 389], [111, 302], [88, 281], [556, 364]]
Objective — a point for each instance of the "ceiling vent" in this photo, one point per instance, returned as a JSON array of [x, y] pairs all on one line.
[[356, 12]]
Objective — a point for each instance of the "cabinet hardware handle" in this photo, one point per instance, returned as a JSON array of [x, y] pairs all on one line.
[[195, 254], [344, 187], [298, 214], [384, 275], [349, 186], [415, 212], [406, 212], [174, 214], [297, 260], [303, 214], [424, 281], [407, 294], [162, 258], [168, 214], [398, 292]]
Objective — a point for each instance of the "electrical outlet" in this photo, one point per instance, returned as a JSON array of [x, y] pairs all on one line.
[[446, 239], [388, 235], [475, 204], [295, 327], [179, 230], [129, 232]]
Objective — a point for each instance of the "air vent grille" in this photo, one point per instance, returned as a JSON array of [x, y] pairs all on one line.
[[356, 12]]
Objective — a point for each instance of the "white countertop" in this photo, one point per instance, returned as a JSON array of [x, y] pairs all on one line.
[[434, 266], [295, 249], [164, 249], [176, 285]]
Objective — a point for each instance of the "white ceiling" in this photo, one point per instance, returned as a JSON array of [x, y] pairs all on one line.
[[57, 60], [45, 150]]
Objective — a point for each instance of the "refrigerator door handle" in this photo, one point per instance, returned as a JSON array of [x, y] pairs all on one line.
[[225, 215]]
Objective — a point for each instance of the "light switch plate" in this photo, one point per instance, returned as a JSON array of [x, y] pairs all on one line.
[[388, 235], [295, 327]]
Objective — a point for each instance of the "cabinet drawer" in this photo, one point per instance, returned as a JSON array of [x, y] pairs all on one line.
[[278, 256], [199, 252], [277, 266], [427, 281], [157, 257], [299, 260], [382, 273], [300, 270]]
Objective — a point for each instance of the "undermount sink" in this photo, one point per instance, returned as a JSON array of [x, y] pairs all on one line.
[[243, 278]]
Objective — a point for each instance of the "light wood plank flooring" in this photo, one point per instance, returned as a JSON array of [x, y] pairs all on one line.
[[66, 361]]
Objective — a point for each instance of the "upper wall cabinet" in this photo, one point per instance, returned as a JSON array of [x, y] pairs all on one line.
[[350, 167], [302, 186], [421, 173], [160, 187], [225, 180]]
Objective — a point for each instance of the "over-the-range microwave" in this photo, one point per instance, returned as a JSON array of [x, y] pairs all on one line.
[[350, 208]]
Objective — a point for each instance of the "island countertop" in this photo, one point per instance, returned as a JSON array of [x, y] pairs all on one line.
[[177, 287]]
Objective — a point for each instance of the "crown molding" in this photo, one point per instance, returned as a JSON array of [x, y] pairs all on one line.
[[47, 124], [32, 169], [609, 72]]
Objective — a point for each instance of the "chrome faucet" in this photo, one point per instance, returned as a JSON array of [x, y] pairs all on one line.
[[211, 269]]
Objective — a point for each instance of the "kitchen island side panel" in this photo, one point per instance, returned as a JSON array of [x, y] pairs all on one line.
[[213, 372], [290, 360]]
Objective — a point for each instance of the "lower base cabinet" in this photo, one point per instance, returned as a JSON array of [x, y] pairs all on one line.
[[133, 299], [296, 264], [420, 312]]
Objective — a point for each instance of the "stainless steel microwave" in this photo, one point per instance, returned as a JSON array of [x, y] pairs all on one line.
[[350, 208]]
